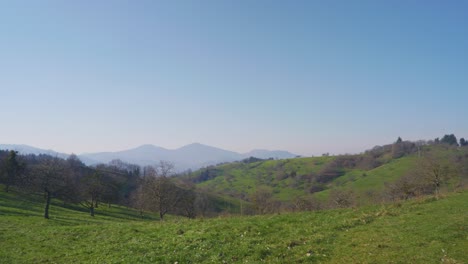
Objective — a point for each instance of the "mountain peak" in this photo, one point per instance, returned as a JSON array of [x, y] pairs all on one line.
[[146, 146], [195, 145]]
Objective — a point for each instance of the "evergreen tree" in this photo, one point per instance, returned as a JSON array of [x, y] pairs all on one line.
[[11, 170], [449, 139], [463, 142]]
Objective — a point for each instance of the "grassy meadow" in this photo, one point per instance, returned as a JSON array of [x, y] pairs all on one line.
[[424, 230]]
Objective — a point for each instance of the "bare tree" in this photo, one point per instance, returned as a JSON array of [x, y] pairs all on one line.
[[408, 186], [420, 144], [158, 192], [76, 170], [434, 172], [186, 204], [427, 177], [202, 203], [340, 198], [49, 177], [92, 189], [306, 204], [164, 168], [263, 201]]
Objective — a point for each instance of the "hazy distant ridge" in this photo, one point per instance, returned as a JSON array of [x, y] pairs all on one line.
[[192, 156]]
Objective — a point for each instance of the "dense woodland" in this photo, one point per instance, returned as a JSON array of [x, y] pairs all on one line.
[[158, 189]]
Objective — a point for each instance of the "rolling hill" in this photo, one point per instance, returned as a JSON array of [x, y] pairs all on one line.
[[289, 179]]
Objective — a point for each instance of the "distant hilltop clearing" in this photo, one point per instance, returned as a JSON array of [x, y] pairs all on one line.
[[192, 156]]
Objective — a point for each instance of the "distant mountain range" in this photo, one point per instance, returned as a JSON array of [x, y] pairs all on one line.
[[192, 156]]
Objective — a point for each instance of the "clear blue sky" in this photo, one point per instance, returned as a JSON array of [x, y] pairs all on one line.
[[304, 76]]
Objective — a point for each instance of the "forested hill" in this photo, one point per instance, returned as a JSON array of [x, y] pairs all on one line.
[[380, 173]]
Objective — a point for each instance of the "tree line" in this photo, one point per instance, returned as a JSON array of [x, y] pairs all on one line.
[[147, 188]]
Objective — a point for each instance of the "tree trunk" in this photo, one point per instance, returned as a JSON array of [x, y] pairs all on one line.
[[161, 215], [7, 187], [46, 208], [91, 211]]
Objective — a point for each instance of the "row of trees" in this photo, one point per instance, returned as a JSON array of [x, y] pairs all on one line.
[[451, 140], [70, 179], [148, 189]]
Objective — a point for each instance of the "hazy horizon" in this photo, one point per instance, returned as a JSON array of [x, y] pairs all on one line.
[[305, 77], [141, 145], [240, 152]]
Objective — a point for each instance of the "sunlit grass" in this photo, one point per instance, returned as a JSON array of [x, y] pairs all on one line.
[[420, 231]]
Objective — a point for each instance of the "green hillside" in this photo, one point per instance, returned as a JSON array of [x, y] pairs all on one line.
[[288, 179], [243, 178], [398, 233], [361, 181]]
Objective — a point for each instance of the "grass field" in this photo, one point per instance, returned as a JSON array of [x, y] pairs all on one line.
[[419, 231]]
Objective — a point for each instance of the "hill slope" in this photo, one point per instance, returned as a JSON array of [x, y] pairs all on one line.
[[399, 233], [317, 176]]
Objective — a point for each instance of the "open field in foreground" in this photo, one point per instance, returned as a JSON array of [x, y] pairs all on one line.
[[418, 231]]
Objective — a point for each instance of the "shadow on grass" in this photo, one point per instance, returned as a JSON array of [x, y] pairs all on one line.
[[18, 213], [17, 203], [128, 214]]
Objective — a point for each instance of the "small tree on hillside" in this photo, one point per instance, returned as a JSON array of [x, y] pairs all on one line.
[[434, 172], [340, 198], [159, 194], [306, 204], [49, 177], [397, 149], [186, 205], [92, 189], [203, 204], [262, 200], [408, 186]]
